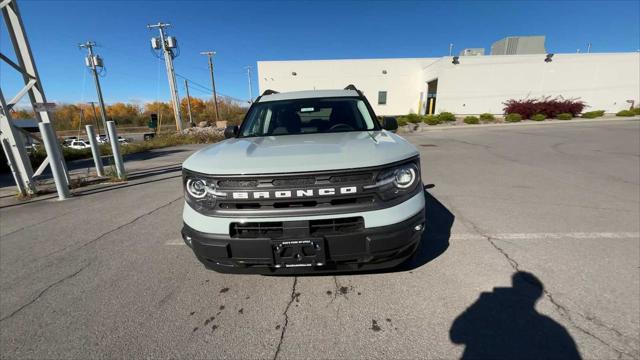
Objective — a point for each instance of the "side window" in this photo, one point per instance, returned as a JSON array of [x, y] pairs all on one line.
[[382, 97]]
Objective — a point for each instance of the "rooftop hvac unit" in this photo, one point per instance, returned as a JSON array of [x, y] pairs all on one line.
[[472, 52], [172, 42], [155, 43]]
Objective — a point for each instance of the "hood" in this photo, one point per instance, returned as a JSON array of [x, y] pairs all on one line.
[[299, 153]]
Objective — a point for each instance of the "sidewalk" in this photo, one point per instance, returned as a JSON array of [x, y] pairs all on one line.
[[424, 127]]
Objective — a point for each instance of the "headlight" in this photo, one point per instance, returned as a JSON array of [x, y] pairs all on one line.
[[397, 181], [200, 192], [197, 188], [405, 177]]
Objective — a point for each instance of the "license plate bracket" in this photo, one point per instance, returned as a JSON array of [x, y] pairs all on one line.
[[298, 253]]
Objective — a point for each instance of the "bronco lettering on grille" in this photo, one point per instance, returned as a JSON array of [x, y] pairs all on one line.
[[287, 194]]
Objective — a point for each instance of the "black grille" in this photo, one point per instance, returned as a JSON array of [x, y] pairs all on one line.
[[239, 184], [256, 229], [290, 182], [335, 226], [357, 178], [279, 229]]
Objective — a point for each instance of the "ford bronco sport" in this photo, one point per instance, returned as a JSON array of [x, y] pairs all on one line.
[[310, 182]]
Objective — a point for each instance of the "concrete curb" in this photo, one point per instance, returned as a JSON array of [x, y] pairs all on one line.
[[527, 123]]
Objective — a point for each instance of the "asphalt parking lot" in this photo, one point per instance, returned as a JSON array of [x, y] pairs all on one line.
[[106, 275]]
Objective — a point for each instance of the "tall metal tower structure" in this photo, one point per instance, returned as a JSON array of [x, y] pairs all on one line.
[[213, 81], [94, 62], [11, 136], [168, 44]]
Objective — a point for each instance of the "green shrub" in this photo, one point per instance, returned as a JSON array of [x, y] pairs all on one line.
[[402, 121], [414, 118], [513, 117], [446, 116], [593, 114], [625, 113], [538, 117], [564, 116], [636, 111], [471, 120], [431, 119], [487, 117]]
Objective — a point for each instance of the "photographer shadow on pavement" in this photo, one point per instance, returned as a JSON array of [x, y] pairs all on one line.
[[504, 324]]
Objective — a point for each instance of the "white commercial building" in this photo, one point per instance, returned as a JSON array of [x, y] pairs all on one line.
[[466, 84]]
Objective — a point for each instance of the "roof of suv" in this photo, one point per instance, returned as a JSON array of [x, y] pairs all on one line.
[[308, 94]]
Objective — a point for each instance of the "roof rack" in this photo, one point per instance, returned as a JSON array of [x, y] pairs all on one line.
[[351, 87], [269, 92]]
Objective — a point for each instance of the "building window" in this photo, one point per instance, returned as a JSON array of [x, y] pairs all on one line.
[[382, 97]]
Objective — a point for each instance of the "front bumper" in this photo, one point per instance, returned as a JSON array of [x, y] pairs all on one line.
[[367, 249]]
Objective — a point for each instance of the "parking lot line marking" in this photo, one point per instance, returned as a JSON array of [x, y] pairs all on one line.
[[533, 236], [175, 242], [519, 236]]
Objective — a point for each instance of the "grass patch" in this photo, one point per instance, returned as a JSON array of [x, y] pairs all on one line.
[[564, 116], [486, 117], [593, 114], [472, 120], [513, 117], [625, 113], [446, 117], [431, 120]]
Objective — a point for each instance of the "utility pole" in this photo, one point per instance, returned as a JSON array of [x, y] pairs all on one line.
[[94, 62], [167, 44], [186, 86], [213, 82], [95, 116], [249, 78]]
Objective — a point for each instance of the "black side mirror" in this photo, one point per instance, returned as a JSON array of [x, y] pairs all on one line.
[[231, 131], [390, 123]]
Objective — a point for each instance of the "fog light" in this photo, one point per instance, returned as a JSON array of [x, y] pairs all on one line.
[[418, 227], [187, 240]]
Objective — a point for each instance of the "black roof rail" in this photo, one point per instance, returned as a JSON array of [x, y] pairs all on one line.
[[351, 87], [269, 92]]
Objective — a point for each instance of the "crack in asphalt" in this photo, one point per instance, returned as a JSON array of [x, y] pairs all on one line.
[[44, 291], [286, 317], [561, 309], [114, 229]]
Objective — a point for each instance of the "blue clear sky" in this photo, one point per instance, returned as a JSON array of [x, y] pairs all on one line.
[[245, 32]]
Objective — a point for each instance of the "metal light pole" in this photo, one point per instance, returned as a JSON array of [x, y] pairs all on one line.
[[167, 44], [210, 54], [93, 62]]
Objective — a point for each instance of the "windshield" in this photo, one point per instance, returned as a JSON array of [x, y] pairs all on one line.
[[308, 116]]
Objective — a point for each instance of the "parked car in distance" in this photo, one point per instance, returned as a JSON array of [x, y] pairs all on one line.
[[79, 144], [68, 140]]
